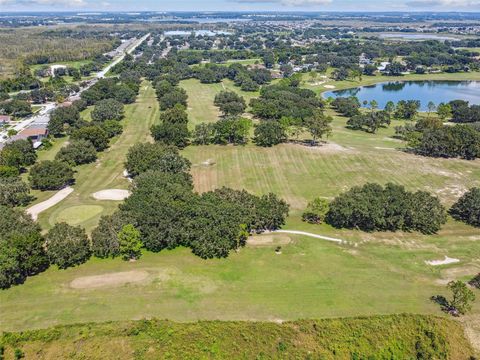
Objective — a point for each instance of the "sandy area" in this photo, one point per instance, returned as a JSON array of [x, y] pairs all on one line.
[[35, 210], [112, 279], [112, 194], [446, 261], [329, 86], [265, 240]]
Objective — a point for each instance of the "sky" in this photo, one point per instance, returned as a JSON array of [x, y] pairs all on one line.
[[240, 5]]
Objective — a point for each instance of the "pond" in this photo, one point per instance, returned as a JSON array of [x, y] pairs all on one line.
[[407, 36], [425, 91]]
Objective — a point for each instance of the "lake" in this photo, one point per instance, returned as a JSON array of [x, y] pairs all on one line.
[[408, 36], [425, 91]]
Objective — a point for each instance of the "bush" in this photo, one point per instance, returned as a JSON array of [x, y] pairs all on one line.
[[467, 208], [8, 171], [78, 152], [374, 208], [316, 211], [67, 246]]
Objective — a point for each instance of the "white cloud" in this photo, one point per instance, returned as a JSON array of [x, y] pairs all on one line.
[[63, 3], [452, 4], [289, 2]]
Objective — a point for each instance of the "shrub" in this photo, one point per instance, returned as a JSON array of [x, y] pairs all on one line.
[[316, 211]]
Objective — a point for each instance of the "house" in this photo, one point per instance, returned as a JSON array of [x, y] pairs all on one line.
[[35, 132], [66, 104], [383, 65], [54, 68], [4, 120]]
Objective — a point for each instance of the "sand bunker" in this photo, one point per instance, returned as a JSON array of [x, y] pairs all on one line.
[[329, 86], [442, 262], [112, 279], [112, 194]]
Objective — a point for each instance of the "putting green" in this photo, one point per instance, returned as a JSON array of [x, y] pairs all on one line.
[[75, 215]]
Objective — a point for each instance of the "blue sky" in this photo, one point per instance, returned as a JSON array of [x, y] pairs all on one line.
[[242, 5]]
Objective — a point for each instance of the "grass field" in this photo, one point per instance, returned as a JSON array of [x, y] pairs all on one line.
[[107, 172], [380, 337], [201, 97]]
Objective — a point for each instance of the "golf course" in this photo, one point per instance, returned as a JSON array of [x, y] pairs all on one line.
[[365, 274]]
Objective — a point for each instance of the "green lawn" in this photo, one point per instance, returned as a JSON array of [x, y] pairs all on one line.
[[201, 97], [107, 172]]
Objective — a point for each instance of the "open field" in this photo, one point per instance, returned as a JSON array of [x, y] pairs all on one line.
[[300, 173], [201, 96], [393, 337], [310, 279], [107, 173]]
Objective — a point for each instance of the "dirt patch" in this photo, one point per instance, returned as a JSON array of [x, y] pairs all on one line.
[[107, 280], [267, 240], [111, 194], [206, 163], [458, 272], [330, 148]]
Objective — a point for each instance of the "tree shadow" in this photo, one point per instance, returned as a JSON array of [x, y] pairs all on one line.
[[445, 305]]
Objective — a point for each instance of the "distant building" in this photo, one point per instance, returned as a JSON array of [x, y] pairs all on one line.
[[383, 65], [4, 119], [53, 68], [35, 132], [66, 104]]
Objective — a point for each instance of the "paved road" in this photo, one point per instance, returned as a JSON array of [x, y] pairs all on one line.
[[43, 116]]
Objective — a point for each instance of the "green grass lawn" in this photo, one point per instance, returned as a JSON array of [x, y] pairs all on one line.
[[201, 97], [107, 172], [310, 279]]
